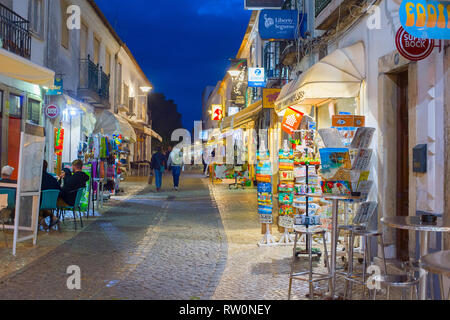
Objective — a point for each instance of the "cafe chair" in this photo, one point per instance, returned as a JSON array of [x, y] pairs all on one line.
[[438, 263], [49, 199], [359, 227], [402, 281], [7, 214], [76, 207]]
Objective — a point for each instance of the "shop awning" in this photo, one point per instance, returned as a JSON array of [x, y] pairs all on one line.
[[242, 116], [338, 75], [110, 123], [16, 67], [151, 133]]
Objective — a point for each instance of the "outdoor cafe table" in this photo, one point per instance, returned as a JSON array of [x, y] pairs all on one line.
[[334, 224], [415, 224]]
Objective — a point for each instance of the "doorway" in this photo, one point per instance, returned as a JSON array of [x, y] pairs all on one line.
[[402, 186]]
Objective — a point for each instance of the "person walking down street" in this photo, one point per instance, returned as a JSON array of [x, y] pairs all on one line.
[[157, 165], [167, 155], [175, 164]]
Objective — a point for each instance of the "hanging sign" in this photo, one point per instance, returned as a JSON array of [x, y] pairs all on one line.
[[58, 88], [427, 19], [256, 77], [239, 85], [291, 120], [51, 111], [217, 113], [413, 48], [281, 24], [263, 4], [269, 97]]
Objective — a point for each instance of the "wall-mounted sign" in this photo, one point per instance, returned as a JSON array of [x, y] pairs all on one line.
[[58, 89], [291, 120], [269, 97], [413, 48], [427, 19], [51, 111], [263, 4], [281, 24], [256, 77], [217, 113]]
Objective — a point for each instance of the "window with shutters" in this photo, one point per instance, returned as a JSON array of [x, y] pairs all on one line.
[[36, 17]]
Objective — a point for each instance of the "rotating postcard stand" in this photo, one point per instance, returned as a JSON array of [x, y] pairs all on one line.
[[28, 192], [265, 198], [285, 189]]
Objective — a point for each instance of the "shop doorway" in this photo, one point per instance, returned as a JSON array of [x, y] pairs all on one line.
[[402, 187]]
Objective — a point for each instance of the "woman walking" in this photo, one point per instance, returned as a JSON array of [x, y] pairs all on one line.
[[158, 167], [174, 163]]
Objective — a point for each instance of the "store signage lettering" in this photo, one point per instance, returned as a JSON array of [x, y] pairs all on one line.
[[217, 113], [413, 48], [426, 18], [269, 97], [256, 77], [51, 111], [281, 24]]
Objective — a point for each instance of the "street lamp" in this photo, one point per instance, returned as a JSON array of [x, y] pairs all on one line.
[[146, 89]]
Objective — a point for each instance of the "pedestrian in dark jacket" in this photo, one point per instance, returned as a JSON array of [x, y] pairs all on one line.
[[158, 164], [72, 183]]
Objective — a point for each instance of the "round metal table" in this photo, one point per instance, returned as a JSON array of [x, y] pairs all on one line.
[[439, 264], [415, 224]]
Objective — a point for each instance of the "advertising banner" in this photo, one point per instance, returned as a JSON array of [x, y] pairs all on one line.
[[426, 19], [239, 87], [263, 4], [291, 120], [281, 24], [256, 77], [58, 89], [269, 97]]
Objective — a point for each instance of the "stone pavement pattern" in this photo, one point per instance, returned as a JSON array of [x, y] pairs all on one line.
[[147, 246]]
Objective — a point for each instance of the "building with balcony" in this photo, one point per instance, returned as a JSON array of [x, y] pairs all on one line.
[[23, 78]]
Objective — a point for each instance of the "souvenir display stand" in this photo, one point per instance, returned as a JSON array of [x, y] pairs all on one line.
[[345, 173], [265, 195], [286, 193]]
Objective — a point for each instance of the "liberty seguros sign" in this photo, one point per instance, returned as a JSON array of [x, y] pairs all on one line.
[[280, 24]]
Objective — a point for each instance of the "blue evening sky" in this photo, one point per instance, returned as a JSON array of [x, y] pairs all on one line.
[[181, 45]]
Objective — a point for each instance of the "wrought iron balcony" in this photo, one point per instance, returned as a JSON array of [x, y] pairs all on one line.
[[320, 5], [94, 84], [14, 33]]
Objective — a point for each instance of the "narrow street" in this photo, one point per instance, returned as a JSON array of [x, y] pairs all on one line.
[[146, 246]]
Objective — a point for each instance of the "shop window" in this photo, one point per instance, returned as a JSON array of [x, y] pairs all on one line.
[[36, 17], [15, 106], [64, 29], [34, 111]]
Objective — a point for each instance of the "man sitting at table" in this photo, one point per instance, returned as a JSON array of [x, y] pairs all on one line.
[[71, 184], [7, 172]]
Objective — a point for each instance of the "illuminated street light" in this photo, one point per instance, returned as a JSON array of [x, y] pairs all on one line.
[[146, 89]]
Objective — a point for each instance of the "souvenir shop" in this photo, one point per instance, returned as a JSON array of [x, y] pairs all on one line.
[[320, 146]]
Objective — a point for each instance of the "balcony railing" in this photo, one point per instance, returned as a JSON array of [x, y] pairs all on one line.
[[14, 33], [94, 83], [320, 5]]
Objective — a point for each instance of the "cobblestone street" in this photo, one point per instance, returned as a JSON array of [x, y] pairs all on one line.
[[198, 243]]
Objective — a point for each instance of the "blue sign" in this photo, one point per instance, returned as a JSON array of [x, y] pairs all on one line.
[[58, 91], [256, 77], [281, 24], [426, 19]]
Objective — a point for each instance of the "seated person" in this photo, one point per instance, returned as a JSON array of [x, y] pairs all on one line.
[[7, 172], [48, 183], [65, 173], [71, 184]]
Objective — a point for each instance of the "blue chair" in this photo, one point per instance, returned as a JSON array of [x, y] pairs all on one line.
[[10, 208], [49, 199], [74, 208]]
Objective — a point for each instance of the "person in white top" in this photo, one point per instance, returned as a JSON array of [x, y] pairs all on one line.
[[175, 163]]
